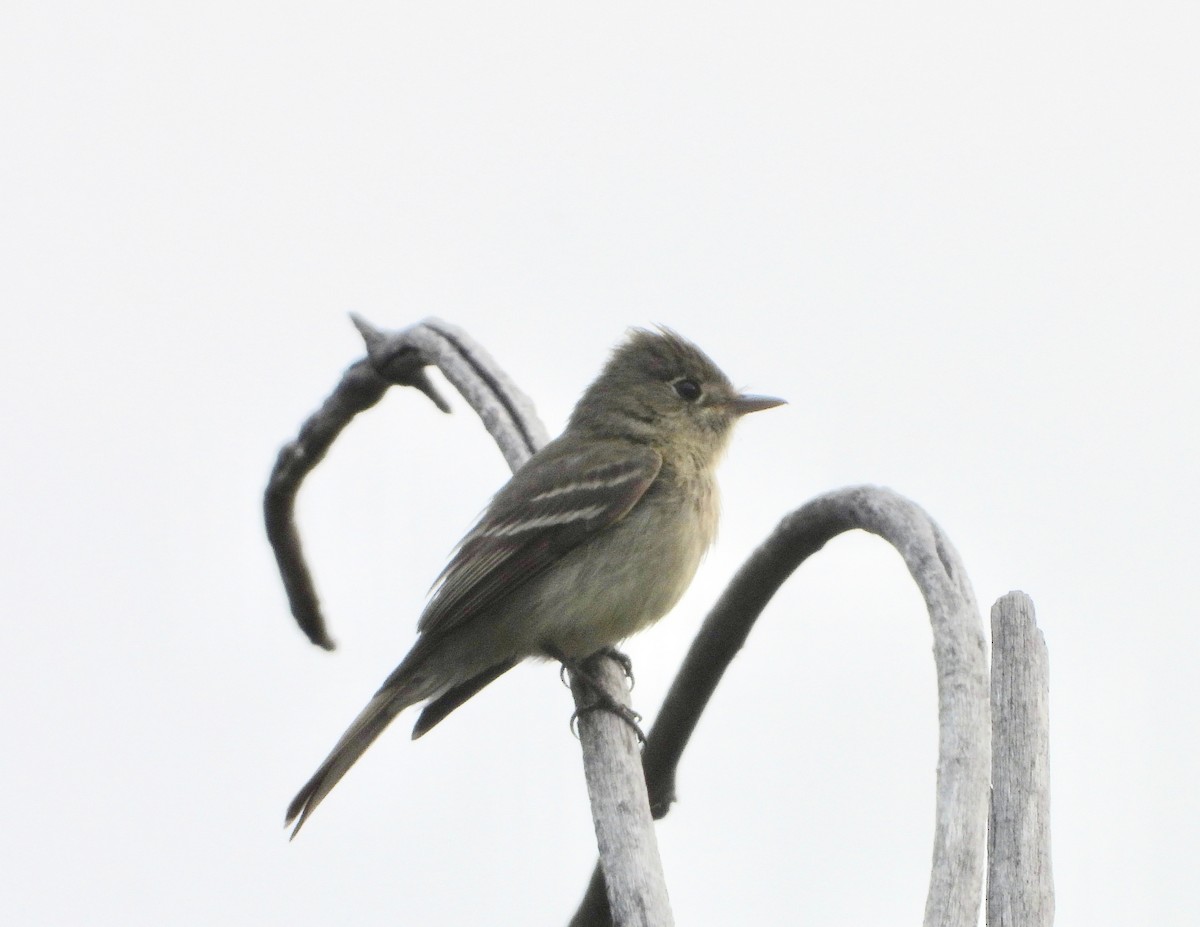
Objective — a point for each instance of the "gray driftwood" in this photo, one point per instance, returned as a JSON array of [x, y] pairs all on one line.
[[636, 889], [956, 881], [1020, 882], [626, 787], [624, 827]]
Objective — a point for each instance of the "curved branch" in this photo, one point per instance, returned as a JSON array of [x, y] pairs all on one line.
[[964, 745], [392, 358], [506, 412], [624, 827], [360, 388]]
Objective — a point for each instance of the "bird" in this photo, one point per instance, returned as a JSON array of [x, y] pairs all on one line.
[[594, 538]]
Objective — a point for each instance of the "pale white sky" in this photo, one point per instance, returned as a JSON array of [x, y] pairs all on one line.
[[962, 241]]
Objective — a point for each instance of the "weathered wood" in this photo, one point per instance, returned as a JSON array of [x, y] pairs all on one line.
[[633, 876], [964, 743], [612, 762], [393, 358], [1020, 881], [506, 412], [1020, 889]]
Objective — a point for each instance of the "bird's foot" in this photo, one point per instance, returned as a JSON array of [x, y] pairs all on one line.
[[602, 700], [622, 660], [605, 702]]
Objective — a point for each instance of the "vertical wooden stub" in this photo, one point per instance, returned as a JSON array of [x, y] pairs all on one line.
[[633, 874], [1020, 883]]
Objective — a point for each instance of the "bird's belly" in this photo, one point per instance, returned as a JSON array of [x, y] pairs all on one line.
[[605, 591]]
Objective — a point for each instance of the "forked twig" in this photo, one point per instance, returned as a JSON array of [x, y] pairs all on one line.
[[393, 358], [624, 827]]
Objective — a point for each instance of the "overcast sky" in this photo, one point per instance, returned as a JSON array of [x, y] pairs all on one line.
[[962, 240]]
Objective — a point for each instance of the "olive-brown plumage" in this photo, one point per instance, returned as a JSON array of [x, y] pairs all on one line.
[[594, 538]]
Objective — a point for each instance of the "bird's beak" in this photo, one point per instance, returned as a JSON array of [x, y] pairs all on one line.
[[744, 404]]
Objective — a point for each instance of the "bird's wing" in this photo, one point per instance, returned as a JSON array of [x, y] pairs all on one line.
[[556, 502]]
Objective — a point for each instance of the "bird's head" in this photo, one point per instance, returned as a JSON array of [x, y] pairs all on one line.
[[660, 389]]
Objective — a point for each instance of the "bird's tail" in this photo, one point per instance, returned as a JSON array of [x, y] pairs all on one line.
[[402, 689]]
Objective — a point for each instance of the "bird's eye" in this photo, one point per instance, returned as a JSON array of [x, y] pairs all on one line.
[[688, 389]]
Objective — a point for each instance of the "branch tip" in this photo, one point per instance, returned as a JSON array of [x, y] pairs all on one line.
[[393, 358], [370, 334], [419, 379]]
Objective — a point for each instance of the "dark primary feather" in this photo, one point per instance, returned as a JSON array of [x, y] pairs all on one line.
[[369, 724], [554, 503], [436, 710]]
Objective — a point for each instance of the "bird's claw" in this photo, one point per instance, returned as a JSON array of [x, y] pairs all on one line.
[[604, 703], [622, 660]]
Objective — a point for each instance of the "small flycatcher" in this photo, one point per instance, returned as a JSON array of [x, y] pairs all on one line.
[[594, 538]]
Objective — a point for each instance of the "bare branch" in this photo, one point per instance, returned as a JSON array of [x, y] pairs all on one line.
[[956, 882], [594, 911], [611, 760], [392, 358], [1020, 882], [506, 412], [610, 755], [360, 388], [636, 886]]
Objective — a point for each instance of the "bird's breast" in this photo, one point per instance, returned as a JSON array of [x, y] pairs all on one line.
[[623, 579]]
